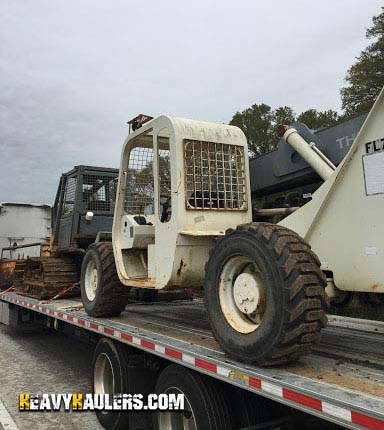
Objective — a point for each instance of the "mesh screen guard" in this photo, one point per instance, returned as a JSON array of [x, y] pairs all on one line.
[[214, 176], [99, 192], [139, 190]]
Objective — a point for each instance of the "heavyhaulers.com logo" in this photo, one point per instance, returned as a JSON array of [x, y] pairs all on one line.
[[101, 402]]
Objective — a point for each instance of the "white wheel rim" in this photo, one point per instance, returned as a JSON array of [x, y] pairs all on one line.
[[177, 420], [242, 294], [104, 378], [91, 280]]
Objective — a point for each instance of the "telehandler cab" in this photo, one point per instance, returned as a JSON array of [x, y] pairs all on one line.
[[183, 218]]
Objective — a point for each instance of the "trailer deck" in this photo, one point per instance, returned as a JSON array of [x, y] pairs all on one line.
[[342, 381]]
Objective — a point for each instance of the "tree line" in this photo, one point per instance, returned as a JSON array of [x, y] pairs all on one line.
[[364, 81]]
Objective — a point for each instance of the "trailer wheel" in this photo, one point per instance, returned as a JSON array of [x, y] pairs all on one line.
[[250, 410], [204, 402], [116, 371], [265, 294], [101, 290]]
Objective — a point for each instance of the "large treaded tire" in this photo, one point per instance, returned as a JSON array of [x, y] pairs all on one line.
[[130, 376], [111, 295], [206, 396], [296, 301]]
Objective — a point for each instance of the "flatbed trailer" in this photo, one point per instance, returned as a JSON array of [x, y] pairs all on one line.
[[341, 381]]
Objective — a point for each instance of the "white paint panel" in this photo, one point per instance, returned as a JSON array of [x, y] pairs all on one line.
[[274, 389], [160, 348], [222, 371], [336, 411], [189, 359], [374, 173]]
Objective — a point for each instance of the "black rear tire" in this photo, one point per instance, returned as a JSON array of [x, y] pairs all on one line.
[[204, 395], [129, 377], [249, 410], [295, 300], [110, 296]]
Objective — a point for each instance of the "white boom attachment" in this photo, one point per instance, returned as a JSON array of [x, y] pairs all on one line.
[[343, 222], [309, 151]]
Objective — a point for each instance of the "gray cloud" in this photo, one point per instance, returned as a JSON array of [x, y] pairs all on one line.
[[73, 72]]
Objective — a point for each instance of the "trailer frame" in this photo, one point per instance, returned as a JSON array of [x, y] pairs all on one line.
[[334, 403]]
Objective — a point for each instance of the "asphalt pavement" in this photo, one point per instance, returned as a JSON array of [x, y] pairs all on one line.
[[39, 360]]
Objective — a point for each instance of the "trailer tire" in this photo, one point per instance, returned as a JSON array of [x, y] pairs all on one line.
[[265, 294], [102, 293], [250, 410], [113, 364], [204, 400]]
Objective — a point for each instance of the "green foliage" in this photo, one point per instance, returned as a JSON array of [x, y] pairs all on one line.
[[366, 76], [259, 123], [315, 119], [281, 115], [256, 125]]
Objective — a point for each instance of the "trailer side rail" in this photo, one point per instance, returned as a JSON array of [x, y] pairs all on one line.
[[346, 407]]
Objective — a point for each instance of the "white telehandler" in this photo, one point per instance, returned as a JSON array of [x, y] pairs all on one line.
[[183, 218]]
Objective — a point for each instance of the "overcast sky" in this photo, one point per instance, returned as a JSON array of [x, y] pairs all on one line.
[[72, 72]]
